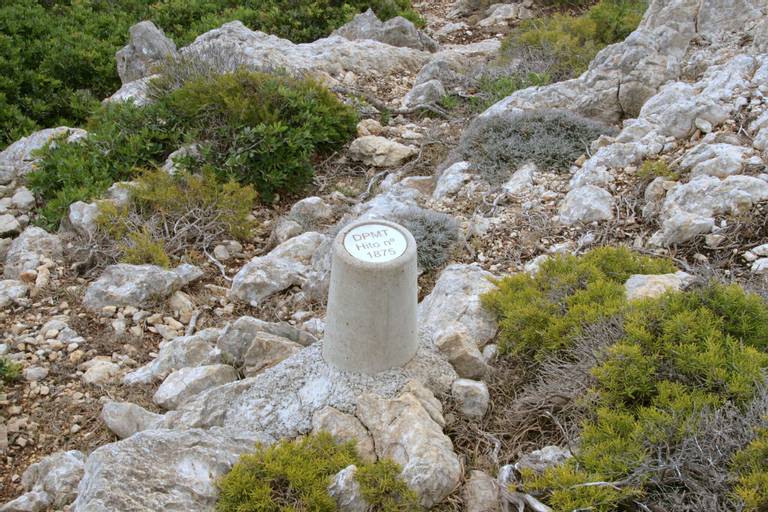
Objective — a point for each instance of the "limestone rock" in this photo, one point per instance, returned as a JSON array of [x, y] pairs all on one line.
[[285, 266], [346, 491], [344, 427], [472, 396], [82, 217], [427, 93], [183, 384], [35, 373], [543, 459], [237, 337], [502, 14], [125, 419], [181, 352], [481, 493], [458, 347], [267, 350], [721, 160], [455, 301], [397, 31], [311, 210], [147, 46], [137, 285], [451, 180], [9, 226], [17, 159], [285, 229], [521, 181], [161, 470], [380, 152], [11, 291], [404, 432], [100, 372], [587, 203], [640, 286], [681, 227], [32, 501], [23, 199], [57, 476], [28, 251]]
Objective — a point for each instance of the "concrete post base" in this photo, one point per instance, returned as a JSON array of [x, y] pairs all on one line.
[[371, 321]]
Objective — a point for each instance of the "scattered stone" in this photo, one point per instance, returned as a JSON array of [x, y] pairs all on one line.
[[140, 286], [23, 199], [463, 354], [472, 396], [125, 419], [481, 493], [100, 372], [587, 203], [29, 250], [11, 291], [641, 286], [35, 373], [267, 350], [380, 152], [311, 211], [539, 461], [428, 93], [346, 491], [184, 384], [369, 127], [503, 14]]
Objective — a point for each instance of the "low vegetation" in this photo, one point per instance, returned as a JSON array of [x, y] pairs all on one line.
[[436, 235], [672, 408], [269, 144], [552, 139], [58, 58], [166, 216], [569, 43], [295, 475], [9, 371]]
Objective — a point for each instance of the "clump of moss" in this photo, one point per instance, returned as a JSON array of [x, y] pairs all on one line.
[[295, 475], [541, 314], [551, 139]]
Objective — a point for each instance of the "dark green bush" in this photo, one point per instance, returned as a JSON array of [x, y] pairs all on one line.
[[570, 43], [552, 139], [295, 475], [255, 128], [58, 58]]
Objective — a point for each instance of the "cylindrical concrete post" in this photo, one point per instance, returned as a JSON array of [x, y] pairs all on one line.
[[371, 320]]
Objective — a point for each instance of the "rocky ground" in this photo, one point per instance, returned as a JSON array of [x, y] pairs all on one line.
[[149, 355]]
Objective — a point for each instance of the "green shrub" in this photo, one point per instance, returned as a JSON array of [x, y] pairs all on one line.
[[672, 401], [9, 371], [295, 475], [571, 42], [493, 88], [552, 139], [268, 143], [751, 468], [436, 235], [167, 216], [57, 59], [540, 314], [652, 169]]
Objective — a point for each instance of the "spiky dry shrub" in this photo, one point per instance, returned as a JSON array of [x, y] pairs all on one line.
[[436, 235]]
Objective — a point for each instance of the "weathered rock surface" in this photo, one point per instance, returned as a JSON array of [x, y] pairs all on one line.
[[455, 303], [481, 493], [380, 151], [235, 341], [285, 266], [650, 286], [186, 383], [543, 459], [344, 427], [462, 352], [51, 482], [182, 352], [346, 491], [266, 350], [11, 291], [146, 47], [587, 203], [403, 431], [472, 397], [137, 285], [17, 159], [160, 470], [427, 93], [125, 419], [28, 251], [397, 31]]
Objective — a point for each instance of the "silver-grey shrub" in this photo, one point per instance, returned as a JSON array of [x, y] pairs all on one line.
[[436, 235], [552, 139]]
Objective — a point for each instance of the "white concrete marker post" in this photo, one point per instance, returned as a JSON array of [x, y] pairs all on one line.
[[371, 320]]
